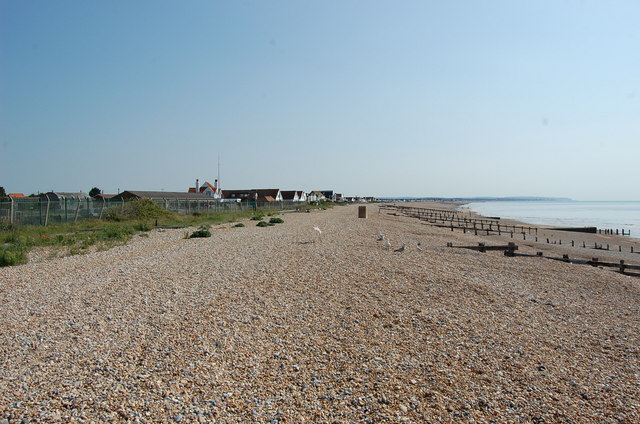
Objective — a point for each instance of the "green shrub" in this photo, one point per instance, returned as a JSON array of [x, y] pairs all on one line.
[[13, 255], [239, 224], [143, 226], [276, 221], [202, 231], [264, 224], [257, 218], [140, 209]]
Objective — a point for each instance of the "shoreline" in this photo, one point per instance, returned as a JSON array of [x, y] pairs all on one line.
[[559, 240]]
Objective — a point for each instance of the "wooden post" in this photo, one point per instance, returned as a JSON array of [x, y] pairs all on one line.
[[481, 246], [622, 266], [46, 215], [362, 211]]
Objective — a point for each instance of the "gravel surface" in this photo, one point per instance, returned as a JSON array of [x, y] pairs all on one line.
[[283, 324]]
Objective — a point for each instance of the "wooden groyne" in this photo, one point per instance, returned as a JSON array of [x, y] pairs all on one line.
[[456, 220]]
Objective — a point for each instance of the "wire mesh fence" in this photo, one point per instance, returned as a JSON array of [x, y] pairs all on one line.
[[42, 211]]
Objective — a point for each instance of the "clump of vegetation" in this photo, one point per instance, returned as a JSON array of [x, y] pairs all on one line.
[[13, 255], [202, 231], [239, 224], [257, 218], [276, 221], [264, 224], [140, 209]]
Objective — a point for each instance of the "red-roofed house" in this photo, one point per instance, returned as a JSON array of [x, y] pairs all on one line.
[[208, 189]]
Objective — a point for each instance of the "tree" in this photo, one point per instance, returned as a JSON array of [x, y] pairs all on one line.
[[94, 191], [2, 193]]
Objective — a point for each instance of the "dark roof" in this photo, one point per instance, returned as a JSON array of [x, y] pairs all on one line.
[[137, 194], [267, 192], [288, 194], [238, 194]]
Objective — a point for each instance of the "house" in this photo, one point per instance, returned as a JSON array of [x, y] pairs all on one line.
[[208, 189], [160, 195], [329, 195], [294, 195], [302, 196], [290, 195], [315, 196], [269, 194], [239, 195], [16, 195]]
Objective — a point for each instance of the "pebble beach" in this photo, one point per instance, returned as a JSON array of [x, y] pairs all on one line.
[[286, 324]]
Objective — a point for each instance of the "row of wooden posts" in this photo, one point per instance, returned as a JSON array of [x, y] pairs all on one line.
[[510, 250], [481, 226]]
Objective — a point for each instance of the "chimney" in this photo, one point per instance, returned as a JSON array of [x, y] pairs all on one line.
[[197, 185]]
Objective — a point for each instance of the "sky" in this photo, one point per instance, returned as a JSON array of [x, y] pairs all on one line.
[[368, 98]]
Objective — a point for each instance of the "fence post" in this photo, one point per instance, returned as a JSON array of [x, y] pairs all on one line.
[[46, 215], [75, 218], [11, 210]]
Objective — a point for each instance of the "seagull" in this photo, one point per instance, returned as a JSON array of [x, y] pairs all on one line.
[[388, 244], [401, 249], [380, 237], [418, 246], [318, 230]]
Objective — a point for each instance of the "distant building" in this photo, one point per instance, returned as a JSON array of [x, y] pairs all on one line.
[[329, 195], [294, 195], [315, 196], [208, 189], [239, 195], [269, 195]]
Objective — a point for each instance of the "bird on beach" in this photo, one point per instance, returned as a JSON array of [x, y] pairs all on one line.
[[387, 243], [418, 246], [318, 230], [380, 237], [402, 248]]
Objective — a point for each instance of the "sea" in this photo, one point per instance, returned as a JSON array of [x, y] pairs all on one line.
[[566, 213]]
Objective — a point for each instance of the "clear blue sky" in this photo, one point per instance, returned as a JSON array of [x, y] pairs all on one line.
[[382, 98]]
